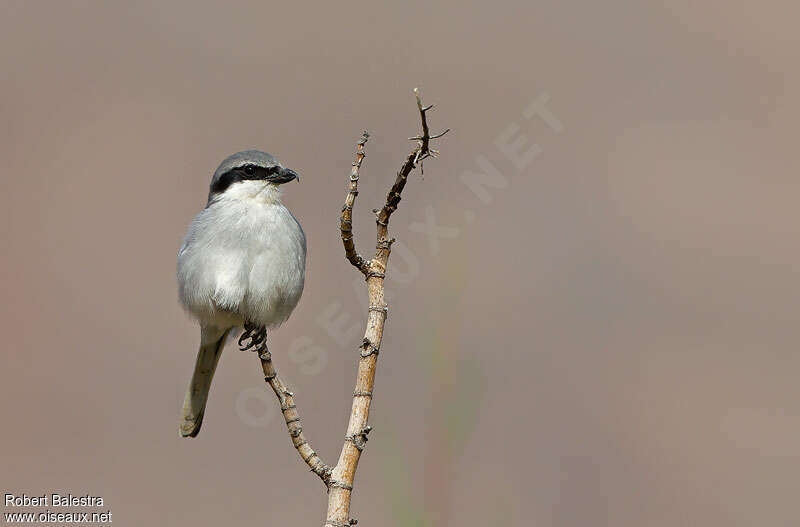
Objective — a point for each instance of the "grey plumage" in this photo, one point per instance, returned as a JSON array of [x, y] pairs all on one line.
[[242, 261]]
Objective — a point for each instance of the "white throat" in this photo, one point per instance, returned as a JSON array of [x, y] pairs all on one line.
[[259, 191]]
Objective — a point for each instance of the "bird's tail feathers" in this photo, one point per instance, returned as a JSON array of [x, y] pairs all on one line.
[[194, 404]]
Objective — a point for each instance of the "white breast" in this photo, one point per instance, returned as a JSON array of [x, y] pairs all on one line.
[[243, 259]]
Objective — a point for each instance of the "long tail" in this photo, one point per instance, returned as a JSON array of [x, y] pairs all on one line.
[[194, 404]]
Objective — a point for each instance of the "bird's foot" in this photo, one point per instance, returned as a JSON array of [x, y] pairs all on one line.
[[257, 336]]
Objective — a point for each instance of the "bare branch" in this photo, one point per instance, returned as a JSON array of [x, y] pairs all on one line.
[[292, 418], [340, 485], [421, 152], [346, 219]]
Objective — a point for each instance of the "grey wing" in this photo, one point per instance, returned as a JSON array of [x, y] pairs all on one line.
[[212, 266]]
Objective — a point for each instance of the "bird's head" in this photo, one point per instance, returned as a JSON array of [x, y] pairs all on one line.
[[249, 173]]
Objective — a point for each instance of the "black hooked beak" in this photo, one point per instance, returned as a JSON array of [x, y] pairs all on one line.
[[283, 175]]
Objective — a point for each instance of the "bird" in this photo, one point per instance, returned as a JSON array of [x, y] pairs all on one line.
[[241, 265]]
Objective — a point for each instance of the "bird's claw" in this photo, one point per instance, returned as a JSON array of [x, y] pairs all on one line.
[[257, 336], [246, 334]]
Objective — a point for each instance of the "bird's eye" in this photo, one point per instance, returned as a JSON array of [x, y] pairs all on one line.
[[249, 171]]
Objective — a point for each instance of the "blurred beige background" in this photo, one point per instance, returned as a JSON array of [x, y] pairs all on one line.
[[607, 338]]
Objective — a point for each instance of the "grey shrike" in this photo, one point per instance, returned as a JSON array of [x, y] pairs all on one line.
[[242, 264]]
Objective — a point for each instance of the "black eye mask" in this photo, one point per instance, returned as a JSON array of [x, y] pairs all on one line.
[[245, 173]]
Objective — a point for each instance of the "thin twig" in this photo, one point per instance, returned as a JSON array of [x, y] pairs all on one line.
[[292, 418], [422, 151], [346, 219], [340, 485]]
